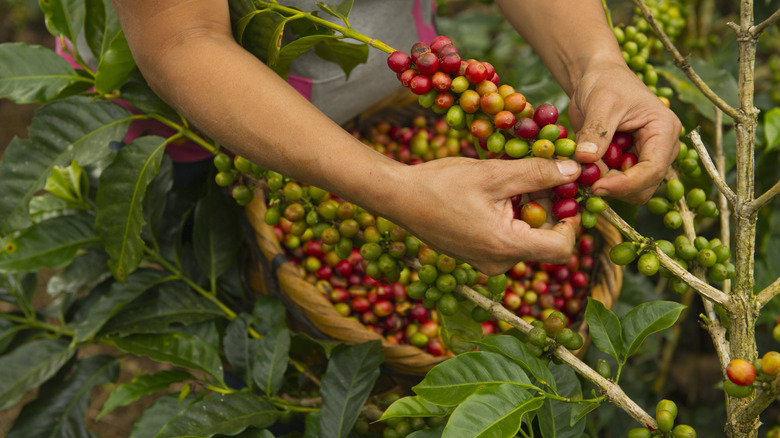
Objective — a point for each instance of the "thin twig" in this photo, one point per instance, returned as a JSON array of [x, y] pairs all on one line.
[[764, 199], [612, 391], [700, 286], [760, 27], [709, 166], [684, 65], [766, 295], [725, 213]]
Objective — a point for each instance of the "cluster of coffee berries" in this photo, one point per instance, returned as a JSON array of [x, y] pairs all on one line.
[[674, 191], [744, 377], [237, 173], [396, 427], [502, 123], [687, 161], [548, 334], [665, 414]]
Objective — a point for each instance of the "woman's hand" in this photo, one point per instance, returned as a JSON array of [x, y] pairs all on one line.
[[599, 108], [480, 228]]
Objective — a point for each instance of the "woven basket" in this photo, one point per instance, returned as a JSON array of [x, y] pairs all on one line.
[[312, 309]]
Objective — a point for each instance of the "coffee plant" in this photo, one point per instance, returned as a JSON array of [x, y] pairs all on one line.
[[146, 256]]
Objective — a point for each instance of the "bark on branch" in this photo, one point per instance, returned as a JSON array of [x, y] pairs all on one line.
[[709, 166]]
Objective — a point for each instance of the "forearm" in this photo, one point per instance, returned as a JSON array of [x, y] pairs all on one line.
[[568, 35], [237, 100]]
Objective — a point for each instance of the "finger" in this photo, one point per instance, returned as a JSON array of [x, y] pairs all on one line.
[[554, 245], [635, 182], [532, 174], [596, 133]]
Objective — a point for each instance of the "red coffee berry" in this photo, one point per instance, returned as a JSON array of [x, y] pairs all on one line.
[[420, 84], [418, 49], [564, 132], [444, 100], [628, 161], [565, 191], [623, 139], [448, 49], [504, 119], [441, 81], [546, 114], [526, 128], [533, 214], [741, 372], [439, 42], [514, 102], [579, 279], [476, 72], [590, 174], [406, 77], [564, 208], [481, 128], [427, 63], [613, 156], [450, 63], [399, 61]]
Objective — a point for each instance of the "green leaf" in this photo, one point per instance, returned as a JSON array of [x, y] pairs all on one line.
[[217, 232], [459, 330], [347, 383], [452, 381], [226, 414], [140, 386], [62, 404], [341, 11], [293, 50], [100, 26], [33, 73], [604, 328], [8, 331], [120, 202], [271, 361], [46, 205], [87, 269], [69, 183], [155, 200], [73, 129], [137, 93], [646, 319], [270, 314], [772, 128], [413, 406], [346, 55], [115, 66], [516, 350], [558, 419], [493, 411], [157, 415], [719, 80], [175, 348], [158, 312], [30, 365], [240, 349], [63, 17], [428, 433], [52, 244], [111, 303], [312, 425]]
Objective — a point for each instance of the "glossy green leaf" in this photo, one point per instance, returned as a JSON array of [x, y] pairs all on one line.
[[217, 232], [346, 55], [646, 319], [100, 26], [172, 305], [29, 365], [155, 201], [294, 49], [558, 419], [137, 93], [8, 331], [255, 433], [46, 205], [73, 129], [719, 80], [108, 305], [271, 361], [158, 414], [69, 183], [52, 244], [226, 414], [115, 66], [270, 314], [240, 349], [604, 328], [175, 348], [85, 270], [120, 202], [255, 31], [63, 17], [459, 329], [312, 423], [140, 386], [341, 11], [452, 381], [347, 383], [33, 73], [772, 128], [62, 404], [414, 406], [492, 411], [512, 348]]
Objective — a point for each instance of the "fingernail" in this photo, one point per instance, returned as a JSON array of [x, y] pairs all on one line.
[[568, 167], [587, 147]]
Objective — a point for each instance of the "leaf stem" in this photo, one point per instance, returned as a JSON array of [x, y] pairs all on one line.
[[34, 323]]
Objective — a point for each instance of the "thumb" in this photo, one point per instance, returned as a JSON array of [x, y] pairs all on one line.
[[594, 137]]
